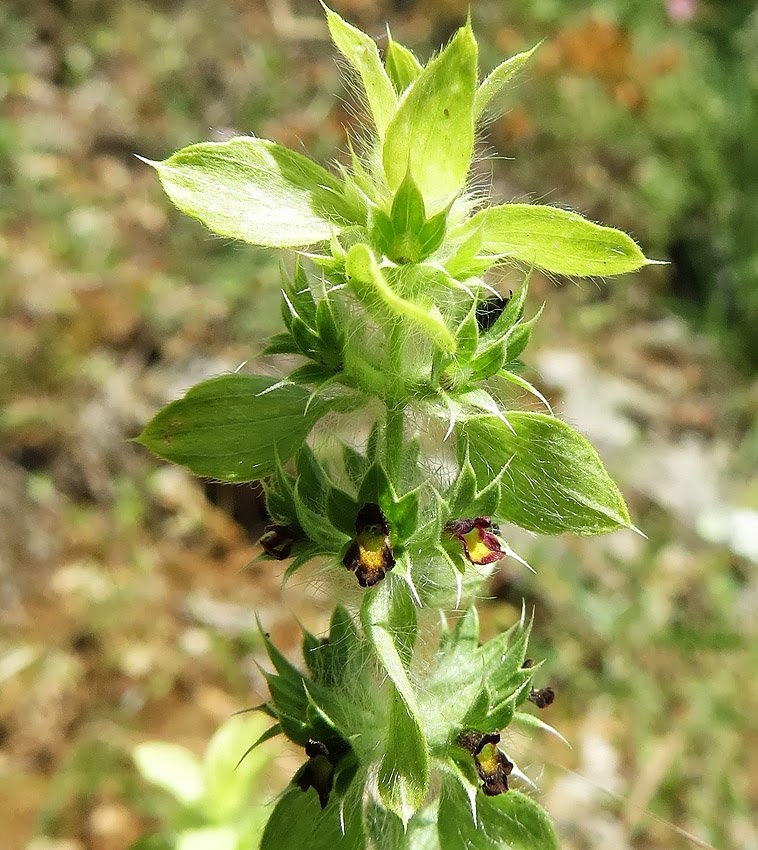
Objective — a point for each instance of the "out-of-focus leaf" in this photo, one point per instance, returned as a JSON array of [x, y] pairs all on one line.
[[173, 768]]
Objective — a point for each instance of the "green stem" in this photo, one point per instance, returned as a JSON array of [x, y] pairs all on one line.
[[395, 442]]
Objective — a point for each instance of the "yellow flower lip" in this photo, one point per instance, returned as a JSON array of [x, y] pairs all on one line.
[[492, 764], [480, 543], [370, 556]]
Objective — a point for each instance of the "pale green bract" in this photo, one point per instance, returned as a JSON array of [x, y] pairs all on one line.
[[363, 56], [498, 78], [257, 191], [555, 240], [432, 133]]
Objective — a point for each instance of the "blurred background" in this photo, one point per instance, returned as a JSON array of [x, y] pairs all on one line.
[[126, 604]]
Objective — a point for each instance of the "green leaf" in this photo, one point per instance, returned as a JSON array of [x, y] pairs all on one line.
[[467, 336], [408, 214], [173, 768], [553, 481], [488, 362], [376, 487], [342, 509], [331, 338], [355, 463], [432, 234], [498, 78], [513, 311], [297, 822], [309, 374], [389, 623], [510, 821], [555, 240], [371, 287], [282, 343], [466, 262], [403, 778], [279, 490], [257, 191], [362, 54], [402, 66], [381, 232], [463, 490], [230, 428], [317, 527], [519, 335], [432, 133], [402, 516]]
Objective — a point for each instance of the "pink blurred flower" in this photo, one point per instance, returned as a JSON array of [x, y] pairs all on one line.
[[681, 11]]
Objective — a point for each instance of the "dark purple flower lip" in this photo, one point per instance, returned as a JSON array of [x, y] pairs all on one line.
[[277, 540], [542, 697]]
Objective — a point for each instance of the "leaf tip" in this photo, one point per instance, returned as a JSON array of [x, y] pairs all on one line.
[[151, 162]]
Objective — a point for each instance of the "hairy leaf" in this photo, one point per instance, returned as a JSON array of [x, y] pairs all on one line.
[[257, 191], [402, 66], [554, 480], [510, 821], [432, 132], [498, 79], [360, 51], [555, 240], [224, 428]]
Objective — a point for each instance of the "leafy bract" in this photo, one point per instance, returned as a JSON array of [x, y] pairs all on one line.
[[257, 191], [298, 822], [510, 821], [230, 428], [403, 778], [360, 51], [555, 240], [432, 132], [498, 78], [402, 66], [554, 480], [370, 284], [389, 623]]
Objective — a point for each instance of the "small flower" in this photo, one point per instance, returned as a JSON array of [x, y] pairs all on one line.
[[317, 772], [277, 540], [370, 556], [492, 764], [542, 697], [478, 536]]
